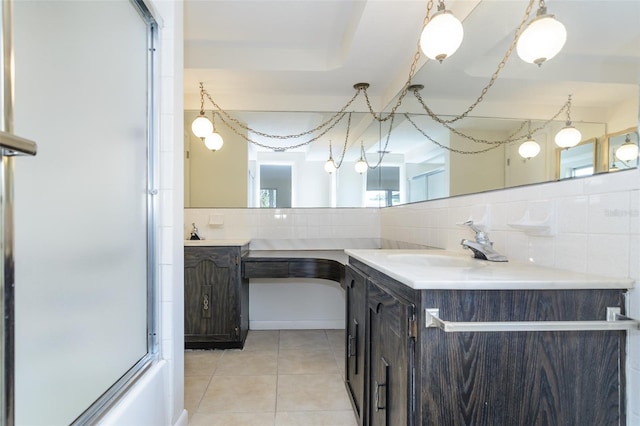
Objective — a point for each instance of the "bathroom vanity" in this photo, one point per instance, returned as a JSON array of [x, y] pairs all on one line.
[[438, 338], [216, 296]]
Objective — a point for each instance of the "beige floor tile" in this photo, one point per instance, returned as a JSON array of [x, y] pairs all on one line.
[[307, 362], [201, 362], [240, 363], [304, 392], [340, 362], [336, 338], [232, 419], [194, 389], [262, 340], [304, 339], [316, 418], [240, 394]]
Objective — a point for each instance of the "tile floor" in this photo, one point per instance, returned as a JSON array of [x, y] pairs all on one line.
[[281, 377]]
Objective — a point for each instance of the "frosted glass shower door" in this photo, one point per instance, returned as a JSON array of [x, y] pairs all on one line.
[[81, 222]]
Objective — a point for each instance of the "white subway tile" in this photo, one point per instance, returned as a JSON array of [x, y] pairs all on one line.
[[571, 252], [608, 255], [542, 251], [609, 213], [573, 214], [607, 182]]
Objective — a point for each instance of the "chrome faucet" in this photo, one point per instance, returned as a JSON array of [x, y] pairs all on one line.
[[194, 233], [482, 247]]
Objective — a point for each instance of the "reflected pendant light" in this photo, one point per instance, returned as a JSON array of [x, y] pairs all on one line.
[[201, 126], [628, 151], [529, 149], [213, 141], [330, 166], [442, 35], [568, 136], [542, 39], [361, 165]]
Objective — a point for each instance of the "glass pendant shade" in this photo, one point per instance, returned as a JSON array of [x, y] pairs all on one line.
[[568, 137], [213, 141], [543, 38], [201, 126], [442, 36], [529, 149], [628, 151], [330, 166], [361, 166]]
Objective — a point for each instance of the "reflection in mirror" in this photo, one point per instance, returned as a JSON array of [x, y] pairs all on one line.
[[619, 160], [577, 161]]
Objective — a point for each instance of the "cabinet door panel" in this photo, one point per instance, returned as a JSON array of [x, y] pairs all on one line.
[[391, 359], [210, 295], [355, 338]]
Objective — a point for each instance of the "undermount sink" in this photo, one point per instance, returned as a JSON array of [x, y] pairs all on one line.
[[436, 260]]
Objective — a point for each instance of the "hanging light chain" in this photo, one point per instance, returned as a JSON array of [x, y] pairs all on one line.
[[384, 149], [444, 146], [494, 76], [284, 148], [202, 92], [511, 138], [568, 110], [267, 135], [344, 147]]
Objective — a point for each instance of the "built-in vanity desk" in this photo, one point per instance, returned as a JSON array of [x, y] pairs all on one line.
[[438, 338], [325, 264]]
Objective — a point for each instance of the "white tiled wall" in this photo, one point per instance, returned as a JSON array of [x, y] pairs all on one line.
[[595, 228], [289, 228]]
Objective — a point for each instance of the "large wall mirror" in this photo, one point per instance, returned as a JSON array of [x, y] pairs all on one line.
[[419, 158]]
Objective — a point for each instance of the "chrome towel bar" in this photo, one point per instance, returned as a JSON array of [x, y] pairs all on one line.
[[615, 321]]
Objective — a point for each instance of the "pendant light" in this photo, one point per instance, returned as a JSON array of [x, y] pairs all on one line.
[[330, 165], [442, 35], [201, 126], [568, 136], [530, 148], [361, 165], [542, 39], [628, 151], [213, 140]]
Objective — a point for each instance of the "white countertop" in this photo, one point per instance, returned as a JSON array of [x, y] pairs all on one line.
[[445, 270], [219, 243], [337, 255]]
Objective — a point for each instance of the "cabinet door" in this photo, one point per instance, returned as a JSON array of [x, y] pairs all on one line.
[[355, 338], [210, 298], [391, 358]]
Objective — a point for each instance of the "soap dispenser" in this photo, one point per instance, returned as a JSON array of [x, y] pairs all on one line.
[[194, 233]]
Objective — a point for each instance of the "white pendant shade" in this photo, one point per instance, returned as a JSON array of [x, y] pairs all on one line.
[[213, 141], [201, 126], [568, 137], [628, 151], [543, 38], [529, 149], [361, 166], [330, 166], [442, 36]]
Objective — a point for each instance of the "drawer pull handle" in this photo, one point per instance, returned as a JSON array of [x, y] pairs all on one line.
[[205, 302], [614, 322], [377, 395], [352, 349]]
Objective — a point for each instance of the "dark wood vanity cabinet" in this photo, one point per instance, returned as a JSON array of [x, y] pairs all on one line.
[[216, 297], [355, 294], [417, 375]]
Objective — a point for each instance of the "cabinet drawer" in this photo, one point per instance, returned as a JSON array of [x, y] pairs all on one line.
[[277, 269]]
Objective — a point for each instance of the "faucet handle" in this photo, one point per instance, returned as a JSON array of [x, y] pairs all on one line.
[[481, 236]]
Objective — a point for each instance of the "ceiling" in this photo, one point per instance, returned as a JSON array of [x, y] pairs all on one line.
[[306, 55]]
